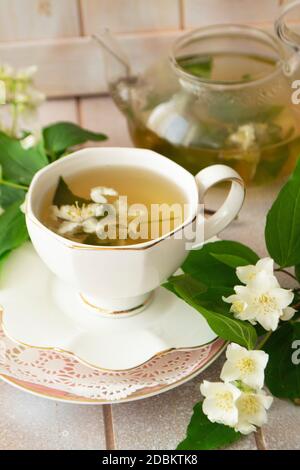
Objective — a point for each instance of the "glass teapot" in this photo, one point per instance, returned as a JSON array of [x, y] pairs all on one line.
[[222, 95]]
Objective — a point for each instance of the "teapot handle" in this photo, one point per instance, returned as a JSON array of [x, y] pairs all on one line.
[[209, 177]]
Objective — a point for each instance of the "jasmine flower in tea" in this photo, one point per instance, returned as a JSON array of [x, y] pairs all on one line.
[[113, 206]]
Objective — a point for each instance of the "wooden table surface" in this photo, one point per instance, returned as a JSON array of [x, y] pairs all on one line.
[[29, 422]]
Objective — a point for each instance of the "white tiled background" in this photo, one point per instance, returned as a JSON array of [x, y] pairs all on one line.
[[55, 33]]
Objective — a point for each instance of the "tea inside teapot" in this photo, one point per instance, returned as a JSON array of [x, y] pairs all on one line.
[[221, 97]]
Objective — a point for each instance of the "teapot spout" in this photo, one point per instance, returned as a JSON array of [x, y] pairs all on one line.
[[118, 71]]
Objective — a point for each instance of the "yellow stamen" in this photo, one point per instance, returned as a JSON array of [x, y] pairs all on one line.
[[249, 404], [251, 276], [267, 303], [224, 400], [246, 365], [238, 307]]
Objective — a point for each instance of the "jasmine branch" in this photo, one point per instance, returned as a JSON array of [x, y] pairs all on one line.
[[264, 340], [284, 271]]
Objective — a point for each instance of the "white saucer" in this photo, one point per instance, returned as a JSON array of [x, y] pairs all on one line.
[[41, 311]]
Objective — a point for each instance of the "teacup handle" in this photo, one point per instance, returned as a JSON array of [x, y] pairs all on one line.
[[207, 178]]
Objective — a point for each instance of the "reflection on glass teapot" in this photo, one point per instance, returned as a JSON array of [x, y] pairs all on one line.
[[223, 95]]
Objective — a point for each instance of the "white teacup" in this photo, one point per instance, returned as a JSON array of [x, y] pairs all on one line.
[[120, 280]]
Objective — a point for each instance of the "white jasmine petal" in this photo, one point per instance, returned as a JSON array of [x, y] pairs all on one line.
[[6, 71], [263, 281], [230, 299], [252, 411], [242, 291], [284, 296], [261, 301], [266, 264], [90, 210], [36, 97], [27, 72], [265, 399], [262, 272], [269, 322], [76, 213], [287, 313], [90, 225], [220, 402], [23, 205], [229, 372], [21, 98], [244, 136], [246, 273], [28, 142], [22, 208], [245, 427], [68, 228], [239, 306], [244, 365], [67, 212]]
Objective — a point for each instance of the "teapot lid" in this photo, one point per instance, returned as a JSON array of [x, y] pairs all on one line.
[[287, 24]]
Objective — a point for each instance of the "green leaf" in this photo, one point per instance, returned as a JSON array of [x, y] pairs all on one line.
[[208, 269], [9, 195], [63, 195], [204, 265], [193, 287], [231, 260], [239, 112], [3, 259], [202, 434], [282, 230], [18, 164], [283, 368], [234, 249], [223, 324], [208, 297], [198, 66], [212, 299], [210, 136], [60, 136], [13, 231]]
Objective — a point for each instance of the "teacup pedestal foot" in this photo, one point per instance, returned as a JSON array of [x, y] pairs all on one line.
[[117, 308]]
